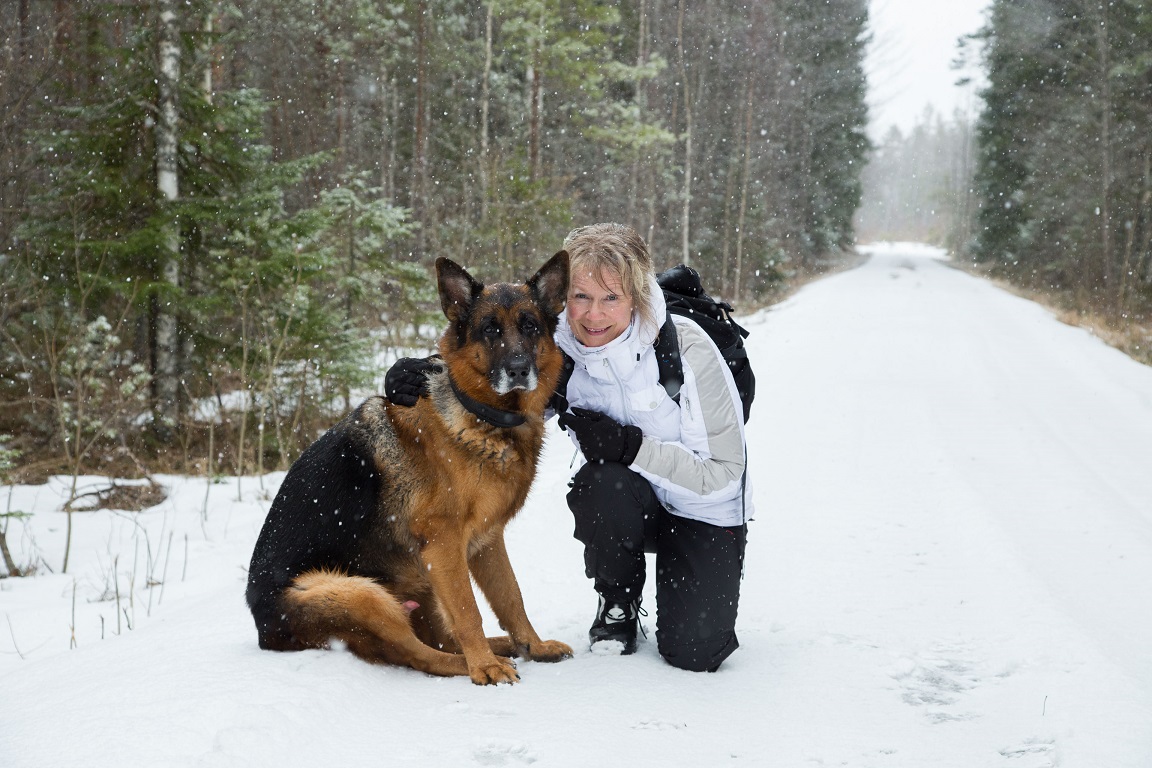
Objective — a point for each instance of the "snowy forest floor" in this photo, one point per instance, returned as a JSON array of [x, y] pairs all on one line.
[[948, 567]]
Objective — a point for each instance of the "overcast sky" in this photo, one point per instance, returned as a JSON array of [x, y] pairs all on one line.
[[909, 64]]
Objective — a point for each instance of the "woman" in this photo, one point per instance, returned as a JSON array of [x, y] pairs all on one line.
[[659, 476]]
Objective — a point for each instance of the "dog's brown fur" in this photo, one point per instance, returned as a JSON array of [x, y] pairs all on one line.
[[379, 524]]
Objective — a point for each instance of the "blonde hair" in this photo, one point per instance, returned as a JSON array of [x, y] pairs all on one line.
[[619, 250]]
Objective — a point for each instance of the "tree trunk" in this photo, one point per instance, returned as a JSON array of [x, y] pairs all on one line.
[[1144, 270], [641, 104], [9, 563], [341, 121], [739, 282], [686, 204], [1107, 272], [657, 167], [22, 15], [420, 140], [389, 106], [485, 105], [206, 52], [62, 23], [534, 113], [167, 342], [726, 232]]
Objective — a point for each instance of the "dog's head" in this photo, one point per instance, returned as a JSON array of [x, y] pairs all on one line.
[[499, 341]]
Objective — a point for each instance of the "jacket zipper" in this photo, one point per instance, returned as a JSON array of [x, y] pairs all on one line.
[[623, 392]]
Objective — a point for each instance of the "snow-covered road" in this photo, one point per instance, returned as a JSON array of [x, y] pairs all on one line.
[[963, 484], [950, 566]]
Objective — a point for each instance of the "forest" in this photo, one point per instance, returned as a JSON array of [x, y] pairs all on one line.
[[218, 217], [1065, 169], [1050, 186]]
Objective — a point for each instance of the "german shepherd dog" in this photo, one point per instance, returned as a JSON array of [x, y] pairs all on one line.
[[378, 524]]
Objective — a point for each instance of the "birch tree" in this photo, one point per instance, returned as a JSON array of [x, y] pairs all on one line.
[[167, 341]]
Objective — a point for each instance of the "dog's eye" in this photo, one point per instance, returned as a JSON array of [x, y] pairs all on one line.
[[529, 326], [491, 329]]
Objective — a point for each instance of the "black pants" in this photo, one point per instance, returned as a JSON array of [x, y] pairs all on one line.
[[698, 565]]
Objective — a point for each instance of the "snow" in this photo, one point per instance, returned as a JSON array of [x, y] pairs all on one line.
[[950, 567]]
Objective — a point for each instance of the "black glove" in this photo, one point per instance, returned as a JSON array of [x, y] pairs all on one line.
[[407, 379], [601, 437]]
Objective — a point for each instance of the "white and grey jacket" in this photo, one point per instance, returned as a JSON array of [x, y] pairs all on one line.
[[693, 453]]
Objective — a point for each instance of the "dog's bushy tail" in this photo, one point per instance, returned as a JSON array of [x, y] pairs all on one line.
[[326, 606]]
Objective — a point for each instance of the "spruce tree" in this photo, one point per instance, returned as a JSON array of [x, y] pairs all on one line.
[[255, 293]]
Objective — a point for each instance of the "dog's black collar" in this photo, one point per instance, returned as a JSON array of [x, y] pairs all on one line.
[[493, 416]]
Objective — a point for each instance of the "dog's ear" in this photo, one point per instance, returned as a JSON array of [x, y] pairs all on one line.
[[457, 288], [550, 284]]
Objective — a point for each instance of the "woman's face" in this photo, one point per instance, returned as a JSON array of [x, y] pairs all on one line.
[[598, 309]]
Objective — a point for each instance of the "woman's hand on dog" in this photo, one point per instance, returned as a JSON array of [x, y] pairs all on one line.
[[407, 380]]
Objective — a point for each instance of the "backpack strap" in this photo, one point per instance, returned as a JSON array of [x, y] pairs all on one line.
[[668, 359]]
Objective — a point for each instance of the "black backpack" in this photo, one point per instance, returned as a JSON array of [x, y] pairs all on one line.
[[685, 296]]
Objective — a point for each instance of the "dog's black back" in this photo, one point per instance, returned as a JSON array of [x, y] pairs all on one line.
[[322, 519]]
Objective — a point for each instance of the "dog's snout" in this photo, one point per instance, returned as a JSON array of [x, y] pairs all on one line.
[[519, 368], [518, 371]]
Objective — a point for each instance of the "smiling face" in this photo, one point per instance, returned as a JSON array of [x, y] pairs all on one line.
[[598, 308]]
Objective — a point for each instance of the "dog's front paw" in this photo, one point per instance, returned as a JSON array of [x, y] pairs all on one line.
[[494, 671], [549, 650]]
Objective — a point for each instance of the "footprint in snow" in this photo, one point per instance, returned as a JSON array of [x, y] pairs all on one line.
[[497, 752], [1033, 753], [658, 725], [938, 678]]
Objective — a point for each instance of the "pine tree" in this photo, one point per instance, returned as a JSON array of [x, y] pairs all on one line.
[[1063, 154], [104, 234]]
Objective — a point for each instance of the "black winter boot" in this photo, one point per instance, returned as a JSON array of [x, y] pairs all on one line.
[[618, 622]]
